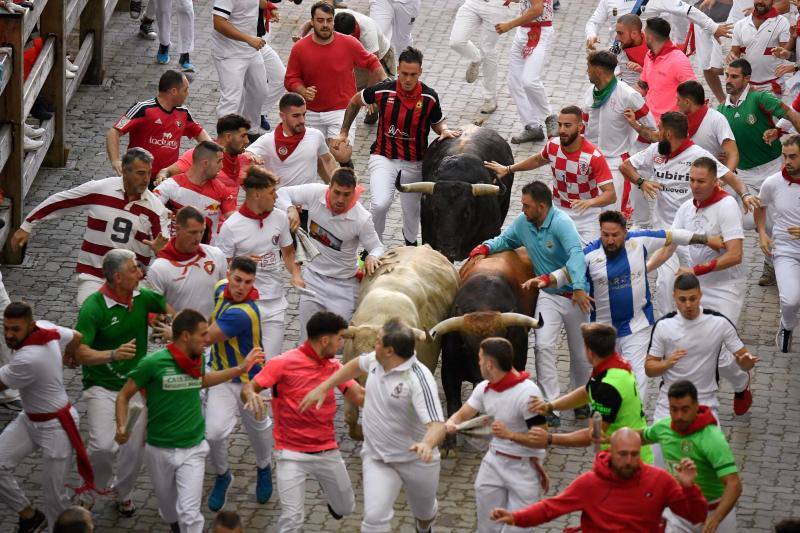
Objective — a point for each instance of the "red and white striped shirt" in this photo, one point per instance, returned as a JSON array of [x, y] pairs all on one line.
[[576, 175], [212, 198], [111, 222]]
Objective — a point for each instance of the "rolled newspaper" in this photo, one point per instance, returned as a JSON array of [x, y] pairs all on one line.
[[480, 426], [134, 410]]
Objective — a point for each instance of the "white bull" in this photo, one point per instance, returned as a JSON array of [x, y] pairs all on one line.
[[414, 283]]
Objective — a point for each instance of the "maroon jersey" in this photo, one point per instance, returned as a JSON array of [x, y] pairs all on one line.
[[157, 130], [405, 119]]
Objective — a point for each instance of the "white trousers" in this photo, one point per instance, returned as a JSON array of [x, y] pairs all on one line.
[[101, 446], [709, 51], [242, 86], [382, 174], [558, 311], [587, 223], [642, 216], [753, 178], [184, 13], [273, 318], [150, 10], [20, 439], [787, 272], [328, 468], [396, 20], [329, 123], [727, 300], [525, 79], [87, 285], [177, 477], [665, 280], [222, 403], [276, 71], [472, 16], [507, 483], [382, 484], [6, 395], [633, 348], [619, 185], [678, 524], [337, 295]]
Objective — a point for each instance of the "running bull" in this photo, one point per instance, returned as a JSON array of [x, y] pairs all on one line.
[[463, 203], [417, 284]]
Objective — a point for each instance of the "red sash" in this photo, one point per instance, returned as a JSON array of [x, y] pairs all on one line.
[[534, 34]]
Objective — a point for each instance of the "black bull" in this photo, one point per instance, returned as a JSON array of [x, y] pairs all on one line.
[[463, 203]]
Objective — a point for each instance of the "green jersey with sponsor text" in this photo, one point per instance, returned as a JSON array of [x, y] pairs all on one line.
[[174, 414], [749, 120]]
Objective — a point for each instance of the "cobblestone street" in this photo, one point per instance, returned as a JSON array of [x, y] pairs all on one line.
[[765, 441]]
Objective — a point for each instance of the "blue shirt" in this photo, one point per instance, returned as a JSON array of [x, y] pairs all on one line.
[[550, 247], [241, 323]]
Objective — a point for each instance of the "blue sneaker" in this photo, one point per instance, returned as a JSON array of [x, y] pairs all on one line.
[[219, 493], [162, 56], [265, 123], [186, 63], [264, 484]]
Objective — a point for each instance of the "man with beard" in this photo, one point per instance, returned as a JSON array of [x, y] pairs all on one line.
[[582, 181], [641, 493], [320, 69], [631, 48], [616, 264]]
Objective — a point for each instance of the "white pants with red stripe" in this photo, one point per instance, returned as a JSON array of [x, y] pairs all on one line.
[[177, 477], [184, 13], [395, 19], [242, 86], [20, 439], [525, 78], [382, 174], [507, 483], [337, 295], [327, 468]]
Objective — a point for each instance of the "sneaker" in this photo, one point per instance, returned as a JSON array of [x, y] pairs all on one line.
[[185, 63], [489, 106], [409, 243], [33, 133], [265, 125], [264, 484], [472, 71], [126, 508], [553, 420], [135, 9], [162, 56], [68, 74], [371, 118], [175, 527], [767, 278], [146, 30], [31, 145], [582, 413], [12, 405], [783, 340], [70, 65], [253, 137], [742, 401], [551, 125], [11, 7], [556, 5], [334, 514], [529, 134], [219, 492], [34, 523]]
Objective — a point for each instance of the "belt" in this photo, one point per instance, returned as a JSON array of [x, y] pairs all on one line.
[[714, 505], [320, 451], [773, 83], [544, 481]]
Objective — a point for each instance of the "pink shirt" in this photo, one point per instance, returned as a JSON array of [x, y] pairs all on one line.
[[293, 374], [662, 74]]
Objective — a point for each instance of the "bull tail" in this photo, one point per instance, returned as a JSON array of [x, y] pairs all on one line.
[[397, 182]]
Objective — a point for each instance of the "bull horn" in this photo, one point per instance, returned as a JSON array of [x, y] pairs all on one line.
[[421, 335], [447, 326], [518, 319], [484, 189], [351, 332], [425, 187]]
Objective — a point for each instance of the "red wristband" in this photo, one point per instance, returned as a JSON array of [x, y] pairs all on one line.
[[481, 249], [700, 270], [544, 277]]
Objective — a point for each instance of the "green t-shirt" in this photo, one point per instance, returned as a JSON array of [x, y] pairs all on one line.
[[107, 328], [174, 413], [615, 396], [749, 120], [707, 448]]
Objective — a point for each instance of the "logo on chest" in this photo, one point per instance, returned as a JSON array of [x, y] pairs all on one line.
[[282, 150], [398, 391]]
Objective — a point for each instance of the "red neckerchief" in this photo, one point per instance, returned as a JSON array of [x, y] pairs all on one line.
[[511, 379], [306, 349], [356, 195], [251, 296], [190, 366], [40, 337], [268, 15], [684, 145], [249, 213], [770, 14], [231, 166], [108, 292], [789, 178], [796, 102], [696, 118], [284, 146], [357, 31], [613, 361], [171, 253], [704, 418], [715, 197], [409, 99], [637, 53], [667, 48]]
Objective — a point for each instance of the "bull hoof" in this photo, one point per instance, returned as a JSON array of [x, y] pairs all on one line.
[[449, 448], [356, 433]]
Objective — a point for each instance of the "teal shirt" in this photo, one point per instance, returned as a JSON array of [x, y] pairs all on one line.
[[550, 247]]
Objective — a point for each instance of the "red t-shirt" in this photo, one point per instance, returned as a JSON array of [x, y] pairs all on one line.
[[292, 375], [232, 173], [329, 68], [157, 130], [213, 199]]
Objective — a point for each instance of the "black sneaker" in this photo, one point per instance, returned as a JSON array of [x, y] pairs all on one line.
[[783, 340], [135, 9], [32, 524], [12, 405], [334, 514], [553, 420], [146, 30], [126, 508], [409, 243], [371, 118], [175, 527], [582, 413], [253, 137], [556, 5], [265, 125]]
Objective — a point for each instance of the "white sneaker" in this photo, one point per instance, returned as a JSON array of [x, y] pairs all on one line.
[[70, 65], [69, 74], [33, 133], [472, 71], [11, 7], [489, 106], [31, 145]]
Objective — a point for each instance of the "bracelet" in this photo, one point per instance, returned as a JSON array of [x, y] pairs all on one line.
[[508, 169], [549, 439], [549, 407], [112, 356], [745, 195]]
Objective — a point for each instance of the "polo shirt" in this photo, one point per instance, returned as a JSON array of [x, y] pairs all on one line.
[[782, 200], [662, 74], [397, 406], [241, 324], [757, 44], [749, 118], [106, 325]]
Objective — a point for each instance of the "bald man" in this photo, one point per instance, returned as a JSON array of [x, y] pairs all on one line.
[[74, 519], [641, 493]]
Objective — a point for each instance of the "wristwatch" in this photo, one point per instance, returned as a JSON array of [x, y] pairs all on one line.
[[639, 182]]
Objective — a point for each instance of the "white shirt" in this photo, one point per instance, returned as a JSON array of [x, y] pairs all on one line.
[[301, 166], [36, 371], [721, 218], [702, 338], [511, 408], [398, 405], [372, 38], [243, 15], [189, 284], [606, 126], [244, 236], [337, 236], [677, 13], [605, 15], [782, 200], [673, 175], [713, 131], [625, 73], [758, 44]]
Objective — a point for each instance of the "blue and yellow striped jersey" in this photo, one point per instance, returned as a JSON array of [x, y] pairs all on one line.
[[241, 323]]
